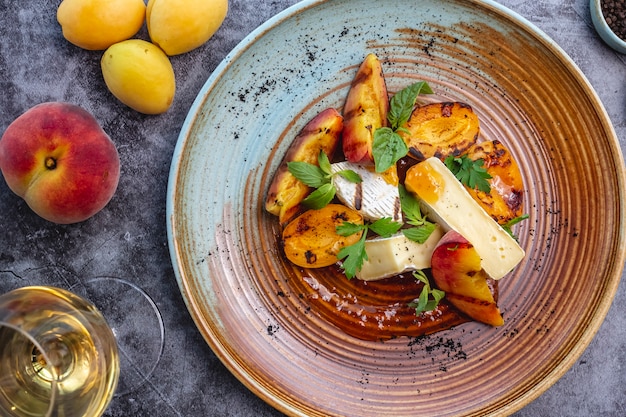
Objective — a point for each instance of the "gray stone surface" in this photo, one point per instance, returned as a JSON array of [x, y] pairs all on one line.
[[128, 238]]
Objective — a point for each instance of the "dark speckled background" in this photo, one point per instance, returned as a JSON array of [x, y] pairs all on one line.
[[128, 238]]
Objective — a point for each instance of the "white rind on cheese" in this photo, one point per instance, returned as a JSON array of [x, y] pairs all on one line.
[[455, 209], [396, 254], [375, 198]]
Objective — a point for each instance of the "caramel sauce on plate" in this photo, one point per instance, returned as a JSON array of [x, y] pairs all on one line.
[[374, 310]]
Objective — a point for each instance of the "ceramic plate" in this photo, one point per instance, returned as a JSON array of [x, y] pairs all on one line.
[[255, 311]]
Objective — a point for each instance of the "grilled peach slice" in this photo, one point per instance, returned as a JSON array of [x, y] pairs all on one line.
[[286, 191], [311, 240], [479, 310], [504, 202], [455, 266], [440, 129], [365, 111]]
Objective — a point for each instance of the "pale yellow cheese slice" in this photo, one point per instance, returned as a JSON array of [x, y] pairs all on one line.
[[396, 254], [447, 202]]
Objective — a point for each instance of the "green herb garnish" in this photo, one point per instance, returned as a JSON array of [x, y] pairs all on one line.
[[319, 177], [471, 173], [508, 226], [422, 228], [321, 197], [388, 146], [354, 255], [425, 302], [402, 103]]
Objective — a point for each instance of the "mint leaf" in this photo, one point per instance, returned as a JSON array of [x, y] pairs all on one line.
[[324, 163], [320, 197], [385, 227], [309, 174], [437, 295], [424, 303], [402, 103], [388, 147], [419, 234], [350, 175], [319, 177], [421, 277]]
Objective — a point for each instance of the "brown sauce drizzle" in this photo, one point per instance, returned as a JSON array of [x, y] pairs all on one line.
[[374, 310]]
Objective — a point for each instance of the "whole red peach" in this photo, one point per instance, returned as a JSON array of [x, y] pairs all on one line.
[[57, 157]]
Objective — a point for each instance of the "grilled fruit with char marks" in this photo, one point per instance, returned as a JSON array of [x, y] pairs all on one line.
[[311, 239], [456, 269], [440, 129], [286, 192], [504, 202], [365, 111]]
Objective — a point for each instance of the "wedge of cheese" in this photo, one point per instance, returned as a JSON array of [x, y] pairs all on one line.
[[396, 254], [448, 203], [375, 197]]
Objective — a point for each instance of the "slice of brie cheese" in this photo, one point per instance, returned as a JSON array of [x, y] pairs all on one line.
[[448, 203], [396, 254], [375, 197]]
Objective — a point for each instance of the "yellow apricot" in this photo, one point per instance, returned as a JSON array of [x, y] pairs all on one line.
[[98, 24], [140, 75], [178, 26]]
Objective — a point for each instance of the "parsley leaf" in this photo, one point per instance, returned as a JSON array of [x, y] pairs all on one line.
[[319, 177], [347, 228], [388, 146], [354, 255], [413, 214], [424, 302], [471, 173]]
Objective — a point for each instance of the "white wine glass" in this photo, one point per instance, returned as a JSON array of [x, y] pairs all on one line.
[[58, 356]]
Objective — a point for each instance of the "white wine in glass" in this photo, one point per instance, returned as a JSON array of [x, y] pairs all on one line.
[[58, 356]]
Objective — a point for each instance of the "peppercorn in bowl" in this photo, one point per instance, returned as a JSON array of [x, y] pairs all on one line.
[[609, 19]]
